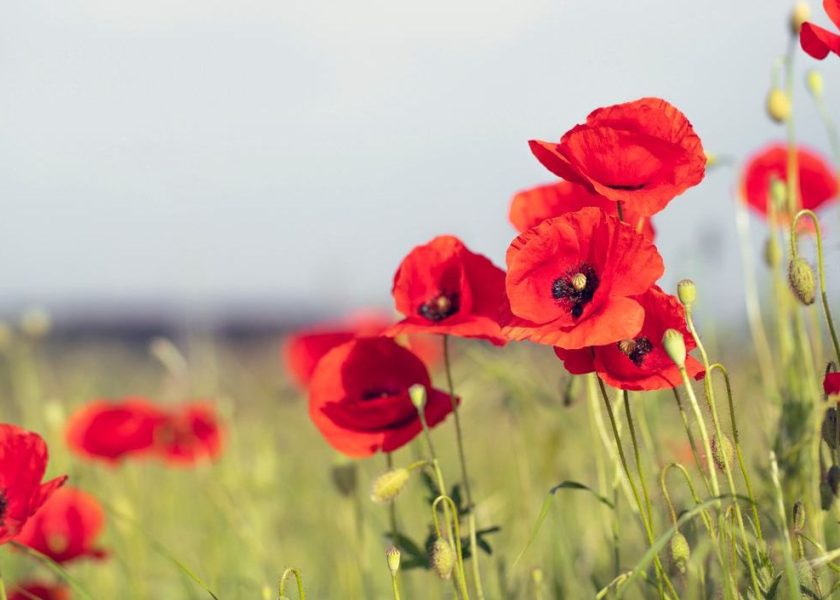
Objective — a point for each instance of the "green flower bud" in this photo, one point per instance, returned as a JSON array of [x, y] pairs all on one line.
[[442, 558], [387, 486], [687, 292], [801, 12], [417, 393], [778, 105], [772, 252], [680, 552], [722, 451], [814, 81], [801, 279], [392, 556], [674, 344]]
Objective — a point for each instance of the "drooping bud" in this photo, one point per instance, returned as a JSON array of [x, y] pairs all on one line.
[[674, 344], [417, 393], [680, 552], [344, 478], [814, 82], [801, 12], [801, 279], [687, 292], [778, 105], [722, 451], [798, 517], [772, 252], [392, 556], [387, 486], [833, 479], [829, 428], [442, 558]]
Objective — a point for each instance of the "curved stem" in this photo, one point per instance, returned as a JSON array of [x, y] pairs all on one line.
[[464, 476], [298, 578], [448, 502]]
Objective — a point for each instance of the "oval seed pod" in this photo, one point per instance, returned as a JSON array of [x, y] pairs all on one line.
[[680, 552], [442, 558], [801, 279]]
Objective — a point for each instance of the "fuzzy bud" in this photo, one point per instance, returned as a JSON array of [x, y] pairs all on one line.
[[801, 12], [392, 556], [387, 486], [798, 517], [722, 451], [442, 558], [833, 479], [801, 279], [772, 252], [814, 82], [417, 393], [680, 552], [778, 105], [674, 344], [829, 428], [687, 292]]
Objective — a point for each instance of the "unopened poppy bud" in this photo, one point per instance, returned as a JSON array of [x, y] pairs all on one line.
[[674, 345], [687, 292], [829, 428], [801, 12], [778, 105], [833, 479], [344, 478], [772, 252], [815, 83], [680, 551], [392, 556], [722, 451], [798, 517], [442, 558], [801, 279], [417, 393], [387, 486]]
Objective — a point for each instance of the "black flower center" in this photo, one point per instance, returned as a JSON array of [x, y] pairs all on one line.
[[636, 350], [378, 392], [627, 188], [575, 288], [440, 307], [4, 504]]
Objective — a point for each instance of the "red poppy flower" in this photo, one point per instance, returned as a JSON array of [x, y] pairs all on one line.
[[113, 430], [640, 362], [188, 434], [39, 591], [642, 153], [23, 460], [533, 206], [442, 287], [831, 384], [571, 281], [65, 527], [358, 397], [817, 181], [306, 347], [818, 42]]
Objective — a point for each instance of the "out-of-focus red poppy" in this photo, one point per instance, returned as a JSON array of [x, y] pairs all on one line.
[[817, 181], [443, 287], [306, 347], [831, 384], [358, 397], [642, 153], [23, 460], [111, 431], [818, 42], [188, 434], [39, 591], [66, 527], [571, 281], [640, 362], [533, 206]]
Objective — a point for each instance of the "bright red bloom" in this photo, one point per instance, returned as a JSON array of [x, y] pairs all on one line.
[[642, 153], [39, 591], [831, 384], [442, 287], [571, 281], [640, 362], [818, 42], [113, 430], [817, 181], [65, 527], [23, 460], [306, 347], [533, 206], [188, 434], [358, 397]]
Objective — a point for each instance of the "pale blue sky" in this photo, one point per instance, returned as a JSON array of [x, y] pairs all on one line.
[[207, 152]]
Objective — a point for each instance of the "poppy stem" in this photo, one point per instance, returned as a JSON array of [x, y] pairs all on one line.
[[2, 589], [704, 435], [660, 574], [284, 577], [392, 508], [460, 573], [464, 476], [691, 442]]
